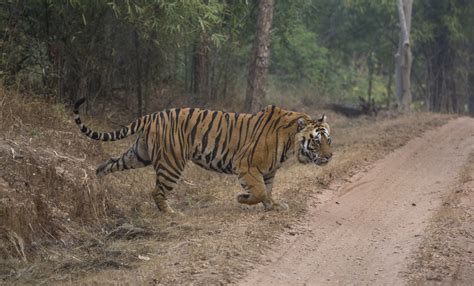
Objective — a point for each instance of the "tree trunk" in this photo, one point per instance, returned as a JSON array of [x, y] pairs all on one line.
[[370, 69], [138, 78], [148, 81], [403, 56], [259, 63], [201, 68], [439, 69], [389, 86], [471, 91], [187, 85], [471, 102]]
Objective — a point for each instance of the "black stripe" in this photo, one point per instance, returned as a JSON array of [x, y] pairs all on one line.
[[224, 158], [166, 178], [240, 134], [193, 131], [227, 118], [208, 158], [172, 128], [275, 123], [205, 114], [167, 160], [206, 134], [124, 164], [228, 168], [265, 125], [257, 125], [285, 150], [216, 146], [167, 188], [220, 123], [123, 132], [134, 124], [174, 175], [188, 118], [248, 126], [291, 123], [236, 116], [79, 103], [178, 110]]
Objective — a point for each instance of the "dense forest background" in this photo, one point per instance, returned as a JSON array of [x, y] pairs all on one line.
[[164, 53]]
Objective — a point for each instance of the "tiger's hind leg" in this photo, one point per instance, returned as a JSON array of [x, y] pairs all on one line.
[[134, 158], [159, 196], [167, 177]]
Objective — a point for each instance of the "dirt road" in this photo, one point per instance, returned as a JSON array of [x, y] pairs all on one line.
[[368, 233]]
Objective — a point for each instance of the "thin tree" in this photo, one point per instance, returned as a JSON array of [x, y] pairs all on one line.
[[403, 56], [138, 75], [201, 68], [470, 103], [258, 68]]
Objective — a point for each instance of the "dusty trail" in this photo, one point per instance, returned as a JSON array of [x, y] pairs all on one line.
[[366, 235]]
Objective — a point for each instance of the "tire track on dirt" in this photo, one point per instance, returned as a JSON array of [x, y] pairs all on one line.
[[366, 235]]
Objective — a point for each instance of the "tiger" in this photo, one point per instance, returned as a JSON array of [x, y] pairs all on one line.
[[251, 146]]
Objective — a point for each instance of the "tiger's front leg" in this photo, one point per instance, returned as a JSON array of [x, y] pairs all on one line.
[[253, 182], [268, 180]]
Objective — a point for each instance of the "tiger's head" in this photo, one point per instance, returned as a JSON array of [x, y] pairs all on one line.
[[314, 141]]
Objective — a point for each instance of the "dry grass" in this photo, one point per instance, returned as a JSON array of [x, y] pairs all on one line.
[[48, 202], [62, 224]]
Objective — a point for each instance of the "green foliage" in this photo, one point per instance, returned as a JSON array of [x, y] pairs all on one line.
[[72, 48], [443, 37], [325, 44], [297, 58], [180, 20]]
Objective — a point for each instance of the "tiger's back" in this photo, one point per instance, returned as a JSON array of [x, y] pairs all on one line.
[[221, 141]]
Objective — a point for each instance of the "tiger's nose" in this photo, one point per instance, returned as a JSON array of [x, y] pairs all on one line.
[[328, 156]]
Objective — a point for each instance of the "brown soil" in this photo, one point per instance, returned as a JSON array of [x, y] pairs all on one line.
[[59, 224]]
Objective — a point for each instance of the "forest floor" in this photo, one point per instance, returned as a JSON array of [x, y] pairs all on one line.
[[59, 224]]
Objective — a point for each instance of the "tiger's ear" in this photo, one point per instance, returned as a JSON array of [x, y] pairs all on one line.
[[301, 124], [323, 118]]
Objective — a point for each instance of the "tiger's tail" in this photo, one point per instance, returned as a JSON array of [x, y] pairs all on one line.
[[134, 127]]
